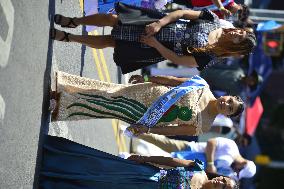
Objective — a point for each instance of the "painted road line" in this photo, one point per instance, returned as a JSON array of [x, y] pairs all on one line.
[[116, 133], [81, 2], [97, 62], [6, 42], [118, 136], [2, 110], [115, 123], [103, 61], [104, 65], [122, 139], [119, 139]]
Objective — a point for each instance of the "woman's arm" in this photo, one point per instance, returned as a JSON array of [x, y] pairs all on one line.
[[210, 153], [161, 160], [176, 59], [167, 80], [163, 80], [174, 16], [221, 8], [155, 27], [183, 129], [169, 54]]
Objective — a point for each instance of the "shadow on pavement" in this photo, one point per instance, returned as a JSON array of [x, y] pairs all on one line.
[[83, 51], [45, 103]]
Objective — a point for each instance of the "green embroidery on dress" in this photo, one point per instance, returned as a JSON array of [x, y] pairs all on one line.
[[183, 113], [119, 107], [138, 104], [135, 104], [119, 104], [129, 120], [132, 110], [92, 116], [171, 115]]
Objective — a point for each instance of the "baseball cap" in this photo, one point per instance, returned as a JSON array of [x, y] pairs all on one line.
[[248, 171]]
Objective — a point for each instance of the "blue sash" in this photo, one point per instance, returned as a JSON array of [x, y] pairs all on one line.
[[189, 155], [160, 106], [212, 7]]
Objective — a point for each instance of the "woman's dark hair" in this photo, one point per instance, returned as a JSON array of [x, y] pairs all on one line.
[[226, 47], [243, 13], [240, 107], [243, 18]]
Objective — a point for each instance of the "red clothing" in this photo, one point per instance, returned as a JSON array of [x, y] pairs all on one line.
[[202, 3]]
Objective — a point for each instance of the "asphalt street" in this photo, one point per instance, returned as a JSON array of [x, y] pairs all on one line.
[[28, 60]]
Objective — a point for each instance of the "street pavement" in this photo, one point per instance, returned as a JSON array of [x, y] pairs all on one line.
[[28, 60]]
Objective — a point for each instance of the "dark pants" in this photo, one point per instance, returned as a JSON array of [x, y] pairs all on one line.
[[186, 3], [186, 138]]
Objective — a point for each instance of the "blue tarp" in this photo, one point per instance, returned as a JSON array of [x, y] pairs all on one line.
[[104, 6], [267, 26]]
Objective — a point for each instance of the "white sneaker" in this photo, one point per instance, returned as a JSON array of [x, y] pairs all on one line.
[[124, 155]]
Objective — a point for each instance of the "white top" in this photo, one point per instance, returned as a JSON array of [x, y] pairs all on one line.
[[224, 146], [226, 150], [226, 24]]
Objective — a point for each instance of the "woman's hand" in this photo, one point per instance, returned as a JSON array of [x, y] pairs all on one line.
[[137, 130], [137, 158], [211, 168], [225, 12], [151, 41], [153, 28], [136, 79]]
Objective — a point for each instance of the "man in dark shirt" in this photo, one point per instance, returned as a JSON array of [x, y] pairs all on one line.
[[232, 79]]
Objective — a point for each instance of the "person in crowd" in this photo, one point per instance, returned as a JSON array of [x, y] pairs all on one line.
[[142, 37], [156, 104], [221, 155], [232, 79], [67, 164], [222, 8], [227, 128], [222, 126]]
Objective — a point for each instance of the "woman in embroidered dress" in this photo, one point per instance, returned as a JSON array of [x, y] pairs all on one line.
[[190, 114], [141, 37], [67, 165]]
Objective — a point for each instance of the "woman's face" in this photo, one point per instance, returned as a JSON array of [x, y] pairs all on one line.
[[227, 105], [220, 183], [236, 36]]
